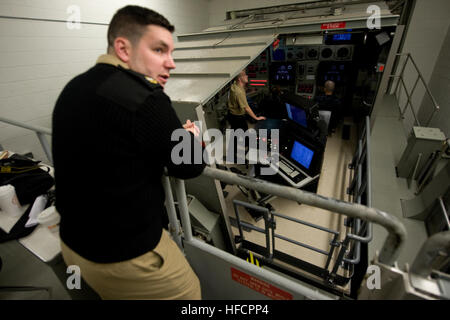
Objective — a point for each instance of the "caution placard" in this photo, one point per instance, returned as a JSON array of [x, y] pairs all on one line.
[[259, 285]]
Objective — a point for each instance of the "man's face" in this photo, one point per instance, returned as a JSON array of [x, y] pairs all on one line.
[[152, 55]]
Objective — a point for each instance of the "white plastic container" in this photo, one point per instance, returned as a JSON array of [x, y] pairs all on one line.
[[9, 203], [50, 218]]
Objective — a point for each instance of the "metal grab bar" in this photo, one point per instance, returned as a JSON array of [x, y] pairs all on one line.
[[410, 94], [358, 186], [396, 230], [40, 131], [266, 212]]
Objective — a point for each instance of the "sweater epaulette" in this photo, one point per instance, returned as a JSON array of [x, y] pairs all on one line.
[[128, 88], [146, 80]]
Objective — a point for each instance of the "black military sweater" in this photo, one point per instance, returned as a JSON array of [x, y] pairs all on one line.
[[111, 140]]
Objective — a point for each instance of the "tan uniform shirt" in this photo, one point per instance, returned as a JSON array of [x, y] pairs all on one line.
[[237, 100]]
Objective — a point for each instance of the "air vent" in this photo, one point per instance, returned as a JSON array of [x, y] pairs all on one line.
[[344, 52], [300, 55], [312, 53], [326, 53]]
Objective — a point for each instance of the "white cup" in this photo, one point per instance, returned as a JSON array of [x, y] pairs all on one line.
[[9, 202], [50, 218]]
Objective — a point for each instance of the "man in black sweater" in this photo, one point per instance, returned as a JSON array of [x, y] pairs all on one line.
[[112, 128]]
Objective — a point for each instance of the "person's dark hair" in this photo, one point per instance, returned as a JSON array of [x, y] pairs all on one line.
[[130, 22]]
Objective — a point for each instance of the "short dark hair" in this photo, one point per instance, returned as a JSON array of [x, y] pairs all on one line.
[[130, 22]]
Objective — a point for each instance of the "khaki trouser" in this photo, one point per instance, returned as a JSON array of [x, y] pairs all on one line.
[[163, 273]]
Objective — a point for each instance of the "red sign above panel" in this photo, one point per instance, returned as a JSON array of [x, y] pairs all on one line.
[[333, 25]]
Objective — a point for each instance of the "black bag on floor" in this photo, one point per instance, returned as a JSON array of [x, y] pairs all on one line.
[[27, 176]]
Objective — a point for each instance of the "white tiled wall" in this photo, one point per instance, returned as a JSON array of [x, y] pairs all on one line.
[[38, 57]]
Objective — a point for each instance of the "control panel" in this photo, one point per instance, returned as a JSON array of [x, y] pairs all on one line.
[[302, 68], [258, 71], [306, 78]]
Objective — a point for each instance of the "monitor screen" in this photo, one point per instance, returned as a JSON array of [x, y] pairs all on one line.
[[297, 115], [278, 55], [302, 154], [342, 37], [282, 73]]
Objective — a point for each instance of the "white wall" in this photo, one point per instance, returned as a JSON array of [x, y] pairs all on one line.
[[219, 8], [38, 57], [424, 40], [440, 88]]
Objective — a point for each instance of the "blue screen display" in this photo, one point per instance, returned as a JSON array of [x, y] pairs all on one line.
[[302, 154], [278, 55], [296, 114], [342, 37]]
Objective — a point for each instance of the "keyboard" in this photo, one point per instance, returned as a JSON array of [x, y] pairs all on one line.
[[293, 175], [290, 171]]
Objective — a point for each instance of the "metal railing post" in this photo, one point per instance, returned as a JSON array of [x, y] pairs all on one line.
[[409, 101], [175, 229], [183, 207], [45, 146], [401, 72], [334, 244]]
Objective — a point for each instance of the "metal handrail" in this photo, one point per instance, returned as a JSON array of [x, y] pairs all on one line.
[[396, 230], [410, 94], [40, 131], [267, 220], [361, 155]]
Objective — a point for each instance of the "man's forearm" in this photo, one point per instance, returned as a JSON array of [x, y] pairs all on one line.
[[251, 113]]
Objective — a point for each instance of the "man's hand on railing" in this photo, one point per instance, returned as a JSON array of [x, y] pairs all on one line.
[[191, 127]]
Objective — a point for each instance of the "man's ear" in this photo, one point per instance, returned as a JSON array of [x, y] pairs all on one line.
[[122, 48]]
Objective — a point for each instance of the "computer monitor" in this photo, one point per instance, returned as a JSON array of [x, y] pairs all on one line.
[[305, 154], [302, 154], [278, 55], [282, 73], [297, 115]]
